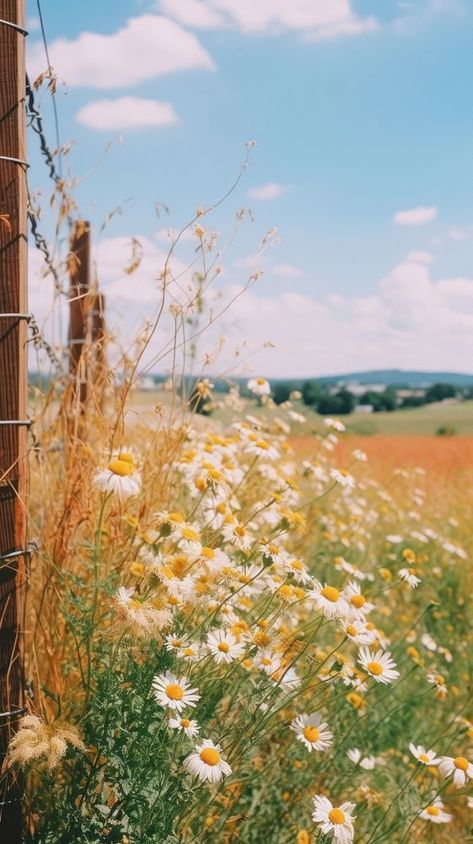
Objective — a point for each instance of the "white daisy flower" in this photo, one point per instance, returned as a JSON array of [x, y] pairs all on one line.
[[330, 600], [268, 662], [335, 424], [436, 813], [365, 762], [335, 819], [342, 477], [189, 727], [359, 606], [312, 732], [409, 575], [120, 477], [358, 632], [380, 665], [206, 762], [259, 386], [223, 646], [427, 757], [173, 692], [214, 559], [459, 766]]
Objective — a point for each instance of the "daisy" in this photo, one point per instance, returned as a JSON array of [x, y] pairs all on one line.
[[435, 813], [189, 727], [268, 662], [223, 646], [342, 477], [337, 820], [367, 762], [409, 575], [120, 477], [330, 600], [259, 386], [313, 733], [427, 757], [173, 692], [358, 632], [380, 665], [459, 766], [206, 762], [335, 424], [357, 602]]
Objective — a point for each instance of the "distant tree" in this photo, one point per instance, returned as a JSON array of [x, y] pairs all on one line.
[[380, 401], [438, 392], [312, 393], [341, 403], [413, 401], [281, 391]]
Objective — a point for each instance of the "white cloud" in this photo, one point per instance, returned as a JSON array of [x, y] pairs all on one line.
[[315, 18], [271, 190], [126, 113], [420, 257], [409, 321], [458, 234], [416, 216], [146, 47], [287, 271]]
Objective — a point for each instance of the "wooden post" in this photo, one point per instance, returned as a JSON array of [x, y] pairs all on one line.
[[13, 378], [79, 271]]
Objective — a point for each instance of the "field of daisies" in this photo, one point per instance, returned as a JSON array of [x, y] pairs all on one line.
[[228, 641]]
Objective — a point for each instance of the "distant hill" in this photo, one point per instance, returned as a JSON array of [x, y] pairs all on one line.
[[399, 378]]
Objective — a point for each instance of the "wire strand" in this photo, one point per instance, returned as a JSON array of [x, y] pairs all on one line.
[[56, 118]]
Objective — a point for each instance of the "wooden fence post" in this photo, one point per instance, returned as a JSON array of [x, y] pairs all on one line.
[[13, 380], [79, 271]]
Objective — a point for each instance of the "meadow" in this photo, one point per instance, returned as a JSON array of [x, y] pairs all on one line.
[[240, 633]]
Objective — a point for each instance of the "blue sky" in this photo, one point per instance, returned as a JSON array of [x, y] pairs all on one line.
[[360, 111]]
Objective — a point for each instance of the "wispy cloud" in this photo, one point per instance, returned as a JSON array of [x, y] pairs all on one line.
[[126, 113], [146, 47], [313, 18], [270, 190], [416, 216], [287, 271]]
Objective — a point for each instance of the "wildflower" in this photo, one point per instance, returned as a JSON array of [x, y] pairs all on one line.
[[342, 477], [435, 813], [335, 424], [366, 762], [380, 665], [267, 662], [427, 757], [409, 575], [120, 478], [313, 733], [459, 766], [206, 762], [338, 820], [259, 386], [330, 600], [189, 727], [34, 739], [140, 617], [358, 632], [223, 646], [173, 692], [358, 604]]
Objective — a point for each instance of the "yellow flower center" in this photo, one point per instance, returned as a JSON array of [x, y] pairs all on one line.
[[336, 816], [375, 668], [424, 758], [210, 756], [297, 565], [433, 810], [311, 733], [208, 553], [128, 458], [188, 652], [351, 630], [262, 444], [188, 533], [224, 647], [330, 594], [185, 722], [461, 763], [174, 691], [358, 601], [261, 381], [120, 467]]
